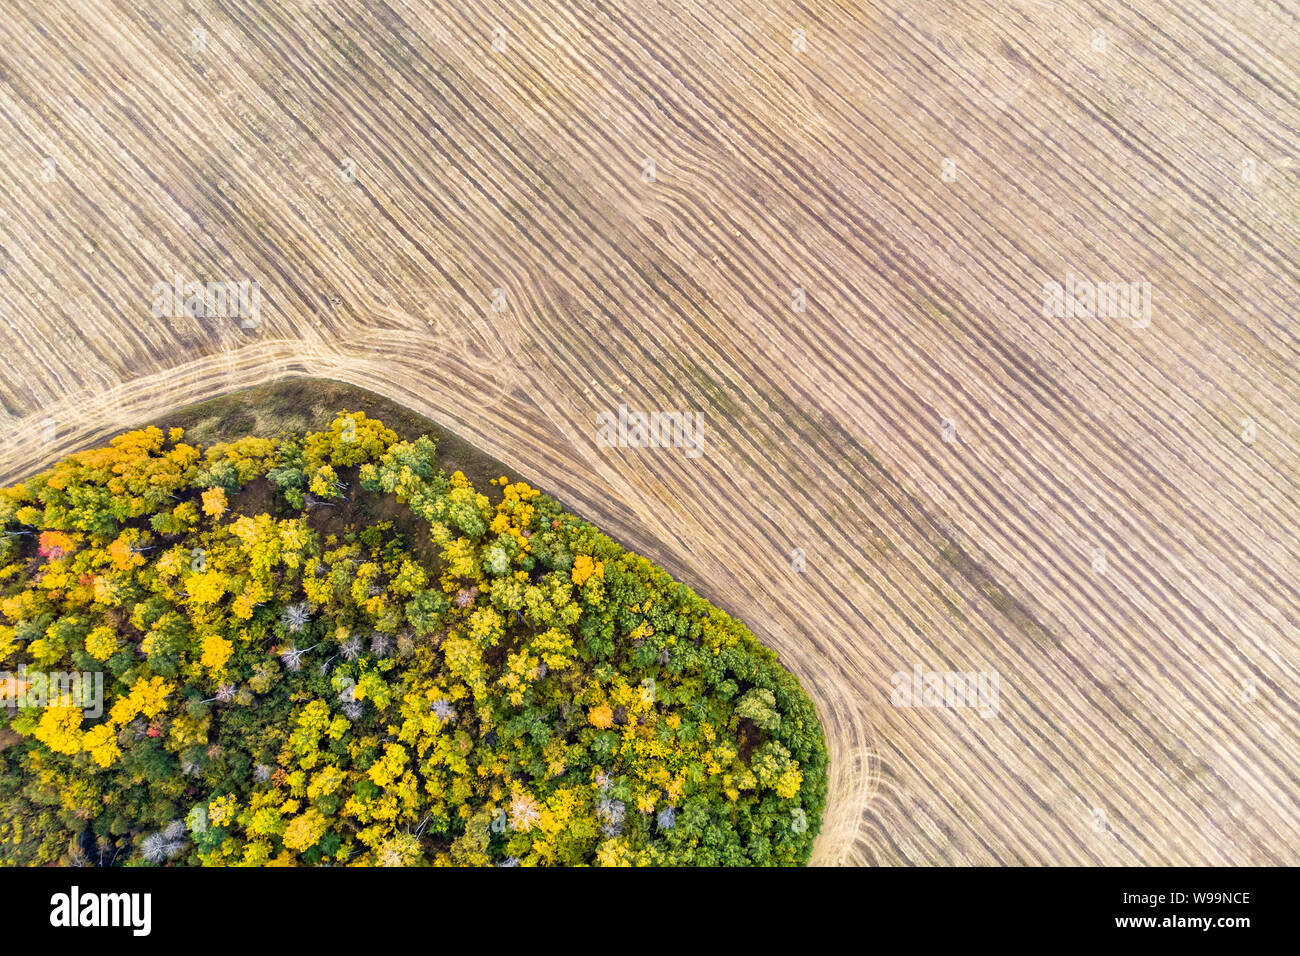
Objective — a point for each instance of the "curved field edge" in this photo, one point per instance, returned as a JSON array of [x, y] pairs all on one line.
[[301, 404], [282, 409]]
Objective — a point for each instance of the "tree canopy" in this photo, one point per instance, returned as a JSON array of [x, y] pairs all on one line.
[[322, 649]]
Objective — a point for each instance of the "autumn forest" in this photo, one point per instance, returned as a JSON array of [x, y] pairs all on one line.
[[321, 649]]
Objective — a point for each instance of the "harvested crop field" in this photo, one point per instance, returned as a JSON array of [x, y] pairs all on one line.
[[828, 229]]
